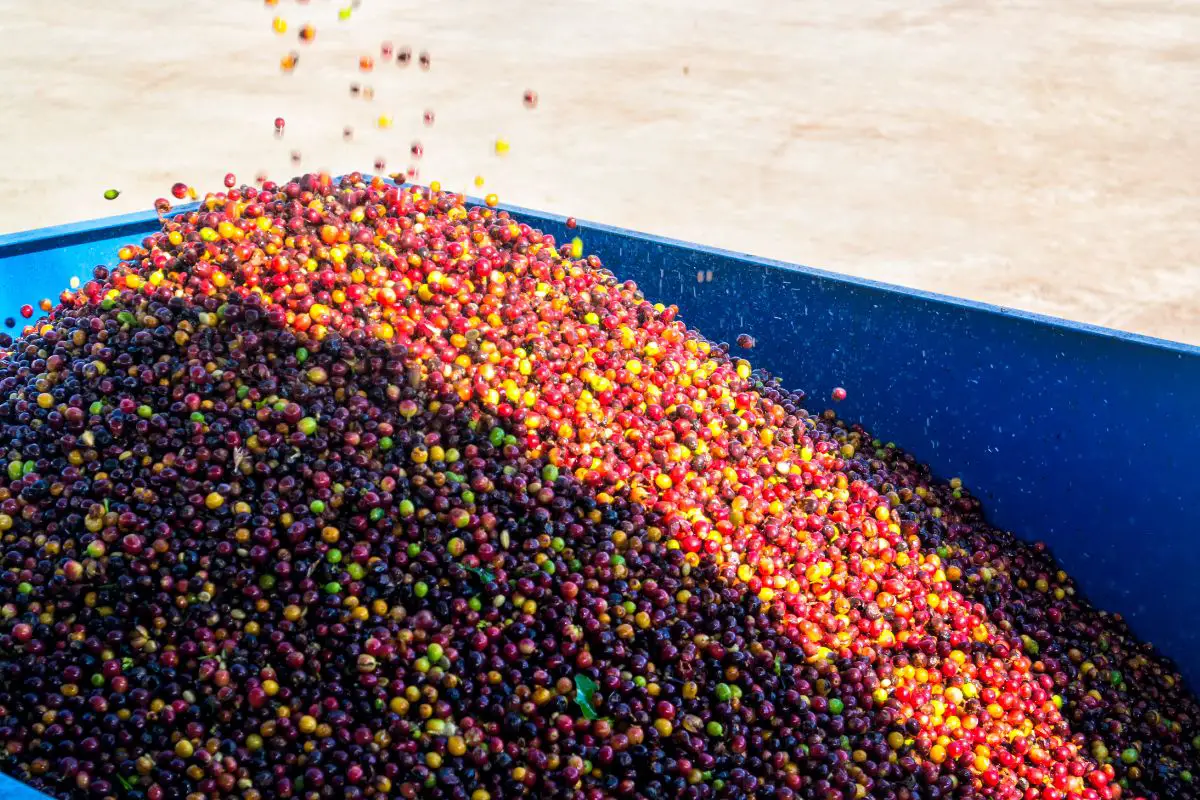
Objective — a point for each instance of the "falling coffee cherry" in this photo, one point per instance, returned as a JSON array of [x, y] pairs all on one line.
[[308, 33], [355, 90], [230, 180], [366, 63], [295, 156], [180, 190], [111, 194], [385, 50], [839, 394], [746, 341], [289, 62], [380, 164], [347, 133], [531, 98], [404, 56], [428, 118], [424, 60], [417, 150], [279, 126]]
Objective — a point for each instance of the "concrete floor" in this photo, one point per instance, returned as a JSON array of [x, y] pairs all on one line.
[[1038, 155]]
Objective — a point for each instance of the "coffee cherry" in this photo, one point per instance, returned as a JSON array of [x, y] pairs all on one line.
[[337, 488]]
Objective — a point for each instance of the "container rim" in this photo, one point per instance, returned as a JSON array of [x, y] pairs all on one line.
[[50, 237]]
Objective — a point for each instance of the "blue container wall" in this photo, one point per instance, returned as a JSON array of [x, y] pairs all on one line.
[[12, 790], [1084, 438], [1081, 437]]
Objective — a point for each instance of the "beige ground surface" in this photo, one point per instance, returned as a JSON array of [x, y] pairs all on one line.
[[1039, 155]]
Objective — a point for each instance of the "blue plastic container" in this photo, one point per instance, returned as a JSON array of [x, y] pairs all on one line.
[[1078, 436]]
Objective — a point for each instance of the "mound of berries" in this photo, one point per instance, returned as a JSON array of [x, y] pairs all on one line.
[[337, 489]]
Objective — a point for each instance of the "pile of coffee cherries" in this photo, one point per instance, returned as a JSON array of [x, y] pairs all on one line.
[[339, 489]]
